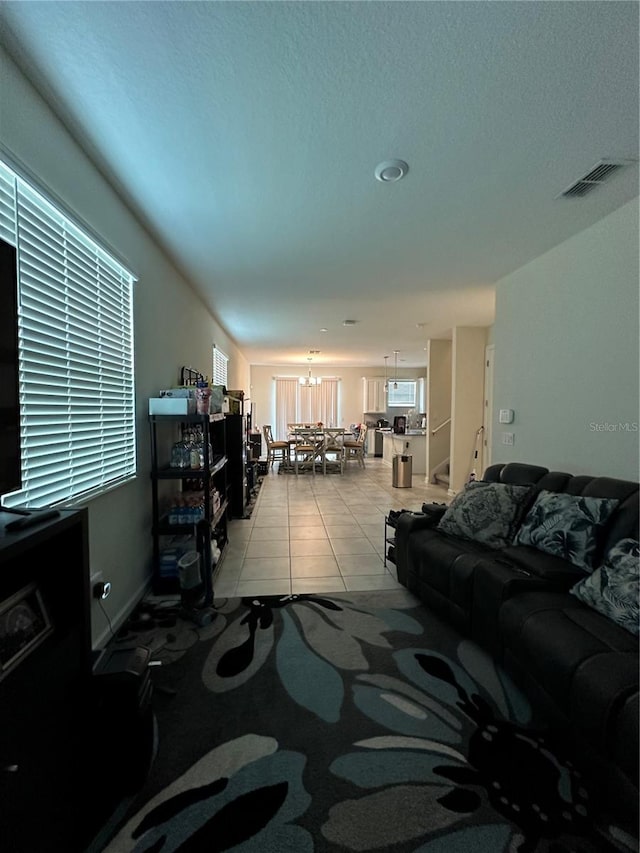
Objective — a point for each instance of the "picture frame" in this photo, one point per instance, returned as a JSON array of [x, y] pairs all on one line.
[[24, 624]]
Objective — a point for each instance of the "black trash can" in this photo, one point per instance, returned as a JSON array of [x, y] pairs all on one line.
[[401, 471]]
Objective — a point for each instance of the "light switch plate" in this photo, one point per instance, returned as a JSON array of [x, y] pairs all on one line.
[[507, 438], [506, 416]]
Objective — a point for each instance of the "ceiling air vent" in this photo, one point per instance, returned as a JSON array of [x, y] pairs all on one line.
[[597, 175]]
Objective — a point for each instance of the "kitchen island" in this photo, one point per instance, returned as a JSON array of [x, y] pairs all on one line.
[[412, 443]]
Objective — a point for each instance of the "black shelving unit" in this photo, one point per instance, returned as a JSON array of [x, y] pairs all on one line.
[[237, 455], [165, 430], [389, 540]]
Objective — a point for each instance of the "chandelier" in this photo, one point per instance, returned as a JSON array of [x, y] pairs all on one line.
[[395, 381], [386, 381], [310, 381]]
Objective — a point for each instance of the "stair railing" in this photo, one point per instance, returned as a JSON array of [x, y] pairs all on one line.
[[438, 428]]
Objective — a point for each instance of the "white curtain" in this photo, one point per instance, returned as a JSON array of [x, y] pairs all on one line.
[[297, 403], [327, 402], [286, 406]]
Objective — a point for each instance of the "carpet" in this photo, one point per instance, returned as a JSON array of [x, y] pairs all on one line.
[[349, 722]]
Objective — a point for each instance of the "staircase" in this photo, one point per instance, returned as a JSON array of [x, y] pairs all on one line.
[[442, 477]]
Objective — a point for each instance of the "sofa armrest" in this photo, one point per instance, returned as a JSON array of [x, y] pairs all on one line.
[[435, 511], [496, 581], [406, 524]]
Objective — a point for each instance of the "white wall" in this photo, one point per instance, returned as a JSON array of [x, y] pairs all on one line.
[[467, 400], [172, 327], [566, 353], [438, 403]]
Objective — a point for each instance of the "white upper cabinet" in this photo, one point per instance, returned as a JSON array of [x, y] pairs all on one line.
[[374, 399]]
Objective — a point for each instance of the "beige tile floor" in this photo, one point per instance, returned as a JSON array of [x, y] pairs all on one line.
[[318, 534]]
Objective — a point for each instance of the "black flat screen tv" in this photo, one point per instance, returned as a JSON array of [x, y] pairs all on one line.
[[10, 469]]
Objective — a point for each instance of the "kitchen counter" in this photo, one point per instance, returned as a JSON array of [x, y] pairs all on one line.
[[413, 443]]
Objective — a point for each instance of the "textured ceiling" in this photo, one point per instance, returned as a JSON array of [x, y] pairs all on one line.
[[246, 136]]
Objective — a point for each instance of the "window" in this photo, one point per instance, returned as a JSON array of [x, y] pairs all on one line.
[[77, 412], [404, 395], [296, 403], [219, 369]]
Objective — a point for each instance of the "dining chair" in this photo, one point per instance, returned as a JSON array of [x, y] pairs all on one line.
[[354, 447], [307, 449], [276, 450], [333, 451]]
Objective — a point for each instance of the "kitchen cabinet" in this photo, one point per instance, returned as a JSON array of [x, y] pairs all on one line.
[[374, 398], [203, 493], [415, 445]]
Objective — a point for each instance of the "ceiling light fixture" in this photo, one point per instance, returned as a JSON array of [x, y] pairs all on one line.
[[349, 322], [395, 381], [390, 171], [310, 381]]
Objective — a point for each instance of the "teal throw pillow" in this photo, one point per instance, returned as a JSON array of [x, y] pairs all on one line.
[[566, 526], [614, 588], [486, 513]]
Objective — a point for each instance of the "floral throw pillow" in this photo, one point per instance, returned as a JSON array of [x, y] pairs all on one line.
[[566, 526], [614, 588], [485, 513]]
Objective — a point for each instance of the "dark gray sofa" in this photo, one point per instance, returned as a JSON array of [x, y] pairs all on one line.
[[578, 666]]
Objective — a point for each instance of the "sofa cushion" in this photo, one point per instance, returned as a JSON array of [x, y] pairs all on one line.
[[487, 513], [613, 588], [566, 526]]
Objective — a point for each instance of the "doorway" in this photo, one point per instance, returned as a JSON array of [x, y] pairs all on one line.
[[489, 356]]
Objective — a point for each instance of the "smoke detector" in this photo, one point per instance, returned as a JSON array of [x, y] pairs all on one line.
[[390, 171]]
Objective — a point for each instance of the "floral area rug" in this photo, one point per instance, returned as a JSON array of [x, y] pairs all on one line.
[[349, 722]]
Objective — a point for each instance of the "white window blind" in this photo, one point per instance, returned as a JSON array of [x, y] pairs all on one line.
[[7, 205], [76, 354], [219, 370]]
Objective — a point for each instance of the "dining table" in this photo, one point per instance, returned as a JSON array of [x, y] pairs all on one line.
[[323, 442]]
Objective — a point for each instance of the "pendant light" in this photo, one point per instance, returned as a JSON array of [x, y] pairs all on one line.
[[309, 381], [386, 381], [395, 381]]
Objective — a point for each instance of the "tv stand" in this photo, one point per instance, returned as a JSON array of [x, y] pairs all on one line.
[[45, 678], [31, 518]]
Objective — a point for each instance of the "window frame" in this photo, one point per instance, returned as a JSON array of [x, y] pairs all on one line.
[[400, 402], [76, 348], [219, 366]]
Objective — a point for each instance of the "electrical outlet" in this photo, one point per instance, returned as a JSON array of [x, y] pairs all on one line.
[[102, 589], [98, 586]]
